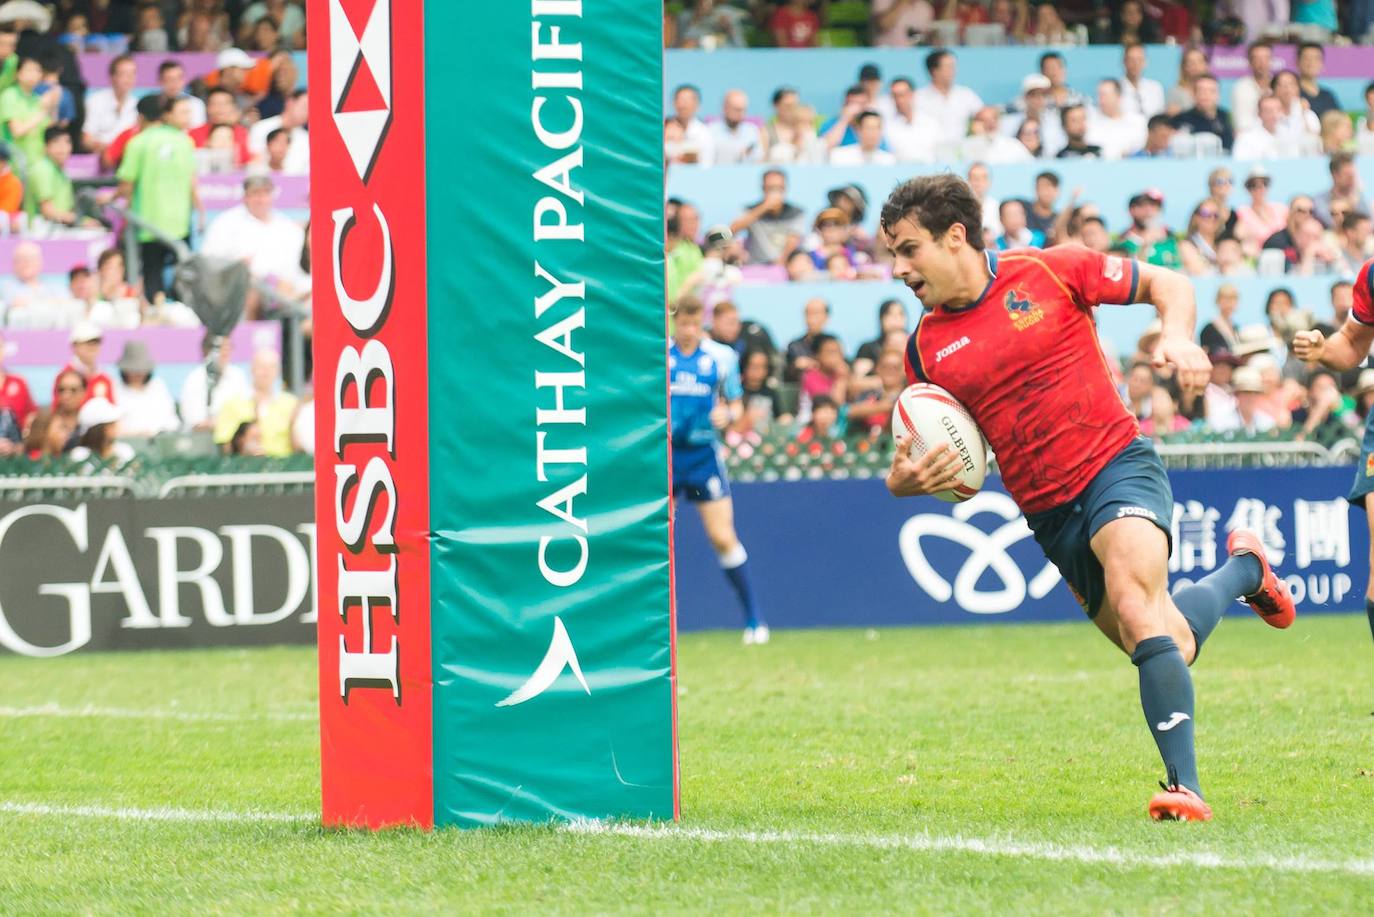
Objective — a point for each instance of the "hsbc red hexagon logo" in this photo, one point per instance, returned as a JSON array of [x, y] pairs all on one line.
[[360, 81]]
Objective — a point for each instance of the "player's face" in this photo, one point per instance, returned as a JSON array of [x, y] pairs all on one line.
[[687, 331], [925, 264]]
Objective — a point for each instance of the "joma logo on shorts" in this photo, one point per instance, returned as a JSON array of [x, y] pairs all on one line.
[[946, 351], [1136, 511]]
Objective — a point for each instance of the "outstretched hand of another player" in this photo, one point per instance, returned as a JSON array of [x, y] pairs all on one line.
[[1309, 346], [1194, 368], [928, 473]]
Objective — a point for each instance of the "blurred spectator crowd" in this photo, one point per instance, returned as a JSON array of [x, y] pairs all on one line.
[[810, 387], [79, 162]]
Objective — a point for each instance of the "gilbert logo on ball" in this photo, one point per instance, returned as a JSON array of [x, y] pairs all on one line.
[[495, 628], [930, 415]]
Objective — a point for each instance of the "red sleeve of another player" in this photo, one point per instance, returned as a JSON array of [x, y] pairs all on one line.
[[1363, 308], [1095, 278]]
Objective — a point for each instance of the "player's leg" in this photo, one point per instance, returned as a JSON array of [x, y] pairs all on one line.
[[1134, 555], [1369, 590], [718, 518]]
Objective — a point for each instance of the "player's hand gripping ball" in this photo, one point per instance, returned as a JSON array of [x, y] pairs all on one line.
[[940, 450]]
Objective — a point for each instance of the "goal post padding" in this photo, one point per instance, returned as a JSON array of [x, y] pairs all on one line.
[[495, 583]]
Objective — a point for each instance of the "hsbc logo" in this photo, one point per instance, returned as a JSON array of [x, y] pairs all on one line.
[[360, 82]]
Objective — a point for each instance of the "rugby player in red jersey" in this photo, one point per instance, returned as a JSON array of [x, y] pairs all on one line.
[[1345, 350], [1013, 338]]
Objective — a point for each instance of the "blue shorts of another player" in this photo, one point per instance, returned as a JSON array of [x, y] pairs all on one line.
[[1364, 471], [699, 475], [1134, 483]]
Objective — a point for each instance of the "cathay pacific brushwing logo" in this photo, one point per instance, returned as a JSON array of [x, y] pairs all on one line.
[[560, 655]]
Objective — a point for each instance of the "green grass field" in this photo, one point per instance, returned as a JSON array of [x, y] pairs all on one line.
[[998, 769]]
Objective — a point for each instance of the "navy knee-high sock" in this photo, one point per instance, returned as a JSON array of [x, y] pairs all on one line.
[[1204, 602], [1166, 695], [735, 563]]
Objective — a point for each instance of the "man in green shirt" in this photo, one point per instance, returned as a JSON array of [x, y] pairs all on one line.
[[158, 177], [50, 193], [1148, 239], [25, 113]]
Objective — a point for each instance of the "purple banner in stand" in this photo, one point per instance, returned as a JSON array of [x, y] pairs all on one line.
[[59, 255], [220, 192], [1356, 62], [167, 345], [95, 66]]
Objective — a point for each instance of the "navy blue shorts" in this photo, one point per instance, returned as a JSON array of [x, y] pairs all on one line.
[[699, 475], [1364, 471], [1132, 484]]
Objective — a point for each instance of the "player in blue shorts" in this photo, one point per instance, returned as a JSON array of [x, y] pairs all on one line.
[[1345, 350], [705, 393]]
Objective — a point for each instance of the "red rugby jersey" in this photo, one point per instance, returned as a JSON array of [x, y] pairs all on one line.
[[1362, 309], [1025, 360]]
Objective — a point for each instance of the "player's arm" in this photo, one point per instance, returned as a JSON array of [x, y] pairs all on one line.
[[1171, 294], [1344, 350]]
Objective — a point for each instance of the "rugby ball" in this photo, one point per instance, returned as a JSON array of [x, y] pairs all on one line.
[[930, 416]]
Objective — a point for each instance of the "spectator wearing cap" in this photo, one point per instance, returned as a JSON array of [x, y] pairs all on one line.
[[293, 120], [950, 104], [86, 338], [1248, 386], [1075, 121], [773, 226], [901, 23], [11, 187], [986, 141], [266, 405], [1261, 218], [17, 408], [696, 136], [255, 233], [50, 193], [111, 111], [171, 81], [912, 135], [98, 425], [1034, 105], [145, 400], [1206, 116], [1140, 95], [222, 109], [28, 301], [26, 110], [1255, 85], [1345, 186], [794, 25], [199, 412], [245, 77], [158, 177], [869, 151], [1311, 62], [1117, 132], [833, 227], [1159, 137], [1148, 238], [853, 203]]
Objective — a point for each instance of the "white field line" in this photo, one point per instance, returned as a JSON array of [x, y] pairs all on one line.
[[118, 713], [916, 843], [153, 815], [997, 847]]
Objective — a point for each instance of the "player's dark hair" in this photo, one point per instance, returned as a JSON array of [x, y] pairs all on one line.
[[937, 202], [933, 60]]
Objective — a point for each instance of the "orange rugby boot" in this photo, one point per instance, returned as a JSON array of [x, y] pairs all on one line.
[[1272, 602], [1178, 803]]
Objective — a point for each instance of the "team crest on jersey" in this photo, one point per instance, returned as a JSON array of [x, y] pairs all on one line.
[[1113, 268], [1021, 310], [1369, 466]]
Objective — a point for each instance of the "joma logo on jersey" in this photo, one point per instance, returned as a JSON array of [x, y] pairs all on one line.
[[1022, 311], [948, 350]]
